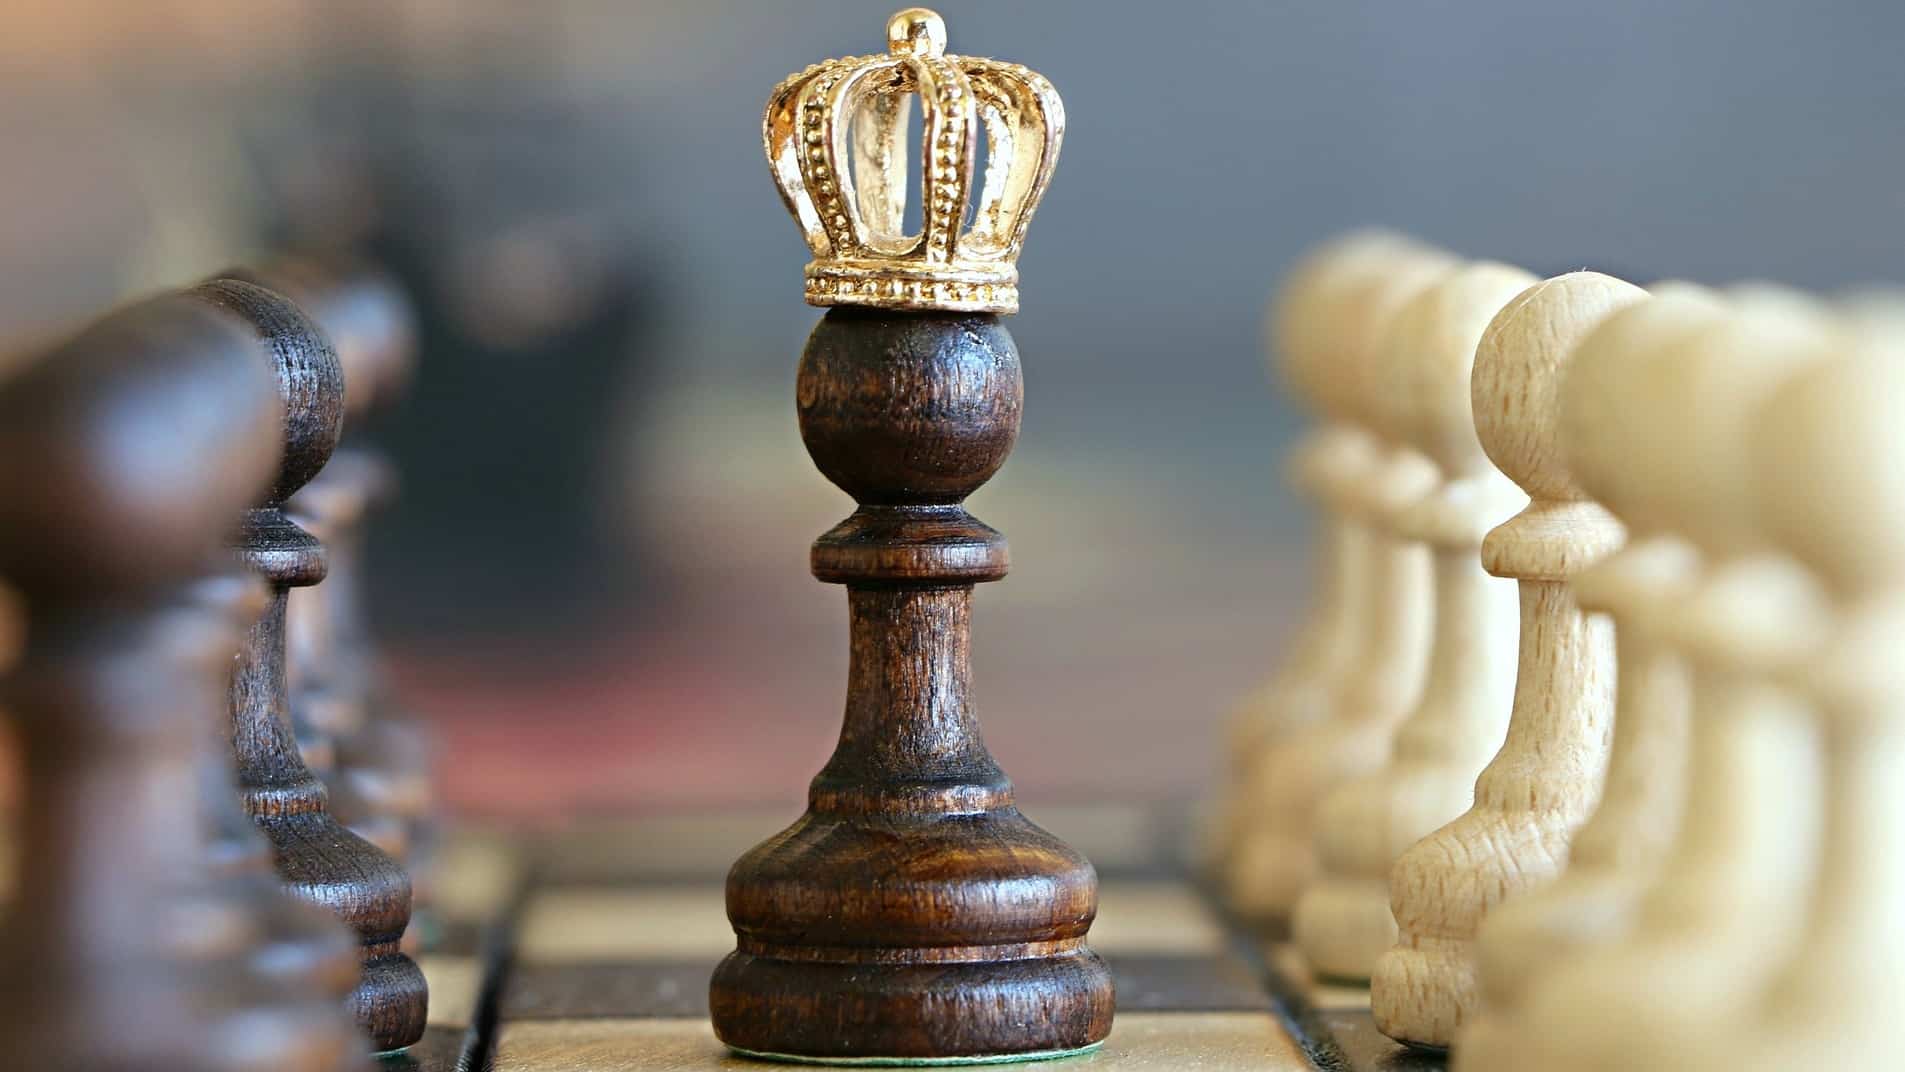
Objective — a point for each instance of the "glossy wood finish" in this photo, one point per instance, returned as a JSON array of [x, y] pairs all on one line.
[[124, 454], [912, 912], [318, 859], [377, 760]]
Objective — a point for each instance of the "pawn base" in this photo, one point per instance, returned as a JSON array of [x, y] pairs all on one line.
[[976, 1012], [916, 1062]]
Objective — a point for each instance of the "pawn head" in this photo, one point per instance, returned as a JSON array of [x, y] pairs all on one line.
[[1515, 387], [310, 380], [1421, 386], [1827, 483], [127, 451], [1611, 448]]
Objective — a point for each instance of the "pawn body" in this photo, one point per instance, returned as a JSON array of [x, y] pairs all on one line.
[[317, 859], [1663, 429], [1545, 780], [912, 914], [1828, 491]]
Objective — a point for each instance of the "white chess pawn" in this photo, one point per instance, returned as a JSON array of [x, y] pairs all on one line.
[[1312, 320], [1343, 922], [1617, 852], [1546, 778], [1725, 902], [1829, 486], [1274, 859]]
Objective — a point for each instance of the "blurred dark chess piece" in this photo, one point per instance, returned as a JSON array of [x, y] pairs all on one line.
[[912, 914], [318, 859], [379, 761], [125, 453], [299, 944]]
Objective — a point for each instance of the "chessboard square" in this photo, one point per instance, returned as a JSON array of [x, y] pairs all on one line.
[[456, 984], [1165, 982], [671, 847], [1355, 1043], [1208, 1042], [477, 874], [1287, 960], [583, 923], [607, 990], [1154, 917], [629, 1045]]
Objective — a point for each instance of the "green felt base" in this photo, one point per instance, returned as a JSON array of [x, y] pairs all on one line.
[[917, 1062]]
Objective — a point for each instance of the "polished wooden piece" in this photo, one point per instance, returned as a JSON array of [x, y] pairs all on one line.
[[912, 912], [125, 453], [317, 858], [377, 761]]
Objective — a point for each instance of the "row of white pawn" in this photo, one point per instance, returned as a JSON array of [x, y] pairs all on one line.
[[1590, 753]]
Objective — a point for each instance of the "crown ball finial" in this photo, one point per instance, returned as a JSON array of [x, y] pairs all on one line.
[[916, 31]]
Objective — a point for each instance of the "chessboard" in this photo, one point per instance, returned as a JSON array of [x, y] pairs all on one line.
[[590, 947]]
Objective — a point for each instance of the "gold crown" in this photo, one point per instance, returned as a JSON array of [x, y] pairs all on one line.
[[836, 139]]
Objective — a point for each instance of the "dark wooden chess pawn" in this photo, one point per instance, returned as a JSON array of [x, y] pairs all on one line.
[[317, 858], [378, 761], [913, 912], [124, 454], [299, 944]]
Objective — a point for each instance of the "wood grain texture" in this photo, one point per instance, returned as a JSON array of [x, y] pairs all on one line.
[[376, 760], [318, 859], [124, 454], [913, 911], [1617, 853], [1724, 904], [1545, 780]]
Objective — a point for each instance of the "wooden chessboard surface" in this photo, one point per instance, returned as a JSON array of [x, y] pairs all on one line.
[[590, 948]]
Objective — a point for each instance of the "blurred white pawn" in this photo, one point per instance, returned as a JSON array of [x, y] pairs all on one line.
[[1343, 921], [1831, 489], [1619, 851], [1724, 907], [1308, 326], [1546, 778], [1272, 859]]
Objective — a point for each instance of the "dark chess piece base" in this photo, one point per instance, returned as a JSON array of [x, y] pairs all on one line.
[[913, 915]]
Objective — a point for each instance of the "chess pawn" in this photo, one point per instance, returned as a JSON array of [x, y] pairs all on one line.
[[1323, 645], [1828, 487], [1306, 333], [1271, 858], [317, 858], [1728, 899], [298, 945], [376, 766], [1343, 921], [1621, 848], [978, 948], [1546, 778], [123, 454]]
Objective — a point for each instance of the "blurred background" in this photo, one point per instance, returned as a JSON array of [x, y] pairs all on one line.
[[595, 585]]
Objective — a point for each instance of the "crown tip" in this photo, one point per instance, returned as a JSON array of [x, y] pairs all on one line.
[[916, 31]]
